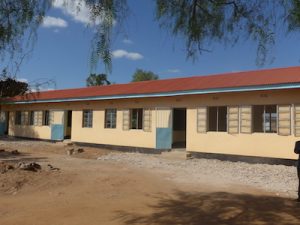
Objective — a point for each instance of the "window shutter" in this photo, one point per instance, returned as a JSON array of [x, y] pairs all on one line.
[[25, 118], [297, 120], [126, 119], [35, 118], [246, 119], [284, 120], [51, 117], [39, 118], [147, 120], [233, 119], [202, 119]]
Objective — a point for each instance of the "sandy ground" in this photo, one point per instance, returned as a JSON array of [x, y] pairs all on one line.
[[89, 191]]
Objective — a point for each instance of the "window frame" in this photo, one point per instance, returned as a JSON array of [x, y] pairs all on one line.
[[89, 122], [18, 118], [217, 119], [264, 131], [111, 116], [139, 122], [31, 115], [46, 118]]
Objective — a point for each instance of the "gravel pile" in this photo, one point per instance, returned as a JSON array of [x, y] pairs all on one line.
[[275, 178]]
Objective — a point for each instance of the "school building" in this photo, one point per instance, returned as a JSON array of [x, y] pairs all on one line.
[[247, 114]]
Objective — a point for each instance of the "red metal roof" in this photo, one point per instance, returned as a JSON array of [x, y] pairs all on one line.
[[228, 80]]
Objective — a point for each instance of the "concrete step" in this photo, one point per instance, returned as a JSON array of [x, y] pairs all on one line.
[[174, 154]]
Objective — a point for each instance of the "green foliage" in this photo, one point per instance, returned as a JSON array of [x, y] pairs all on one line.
[[19, 19], [201, 22], [111, 13], [97, 80], [294, 15], [142, 75], [10, 87]]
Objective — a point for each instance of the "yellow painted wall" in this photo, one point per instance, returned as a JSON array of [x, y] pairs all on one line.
[[100, 135], [255, 144], [40, 132], [33, 131]]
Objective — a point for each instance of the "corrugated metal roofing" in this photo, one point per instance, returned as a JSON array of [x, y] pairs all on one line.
[[290, 75]]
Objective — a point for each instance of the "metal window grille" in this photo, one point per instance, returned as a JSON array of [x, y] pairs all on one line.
[[18, 117], [110, 118], [87, 118]]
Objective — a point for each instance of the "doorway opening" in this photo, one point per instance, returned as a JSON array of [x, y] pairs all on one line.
[[179, 128], [68, 124], [6, 123]]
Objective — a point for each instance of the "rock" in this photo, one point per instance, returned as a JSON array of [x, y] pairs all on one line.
[[189, 155], [15, 152], [10, 167], [278, 179], [70, 151], [50, 167], [79, 150], [29, 166]]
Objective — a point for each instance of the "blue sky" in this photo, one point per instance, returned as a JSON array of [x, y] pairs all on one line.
[[62, 50]]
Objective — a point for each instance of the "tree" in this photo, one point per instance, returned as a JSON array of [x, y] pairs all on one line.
[[19, 19], [97, 80], [142, 75], [201, 22], [10, 87], [198, 22]]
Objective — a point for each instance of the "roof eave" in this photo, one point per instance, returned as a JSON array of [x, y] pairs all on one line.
[[165, 94]]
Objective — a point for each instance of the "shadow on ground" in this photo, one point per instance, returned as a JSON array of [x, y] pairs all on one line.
[[216, 208]]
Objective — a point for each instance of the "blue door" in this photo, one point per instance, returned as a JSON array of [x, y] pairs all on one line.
[[163, 138], [163, 128], [57, 132], [3, 123]]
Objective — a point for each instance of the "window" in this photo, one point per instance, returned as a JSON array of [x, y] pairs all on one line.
[[136, 119], [87, 118], [46, 118], [31, 118], [264, 118], [217, 118], [110, 118], [18, 118]]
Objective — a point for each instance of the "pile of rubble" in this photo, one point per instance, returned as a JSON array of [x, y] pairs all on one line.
[[6, 166]]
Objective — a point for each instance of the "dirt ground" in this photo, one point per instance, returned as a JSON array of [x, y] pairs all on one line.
[[83, 190]]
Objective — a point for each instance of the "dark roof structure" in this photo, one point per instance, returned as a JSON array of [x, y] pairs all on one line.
[[279, 78]]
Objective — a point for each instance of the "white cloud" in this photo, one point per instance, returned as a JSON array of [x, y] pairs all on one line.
[[22, 80], [33, 90], [173, 71], [76, 9], [50, 21], [127, 41], [120, 53]]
